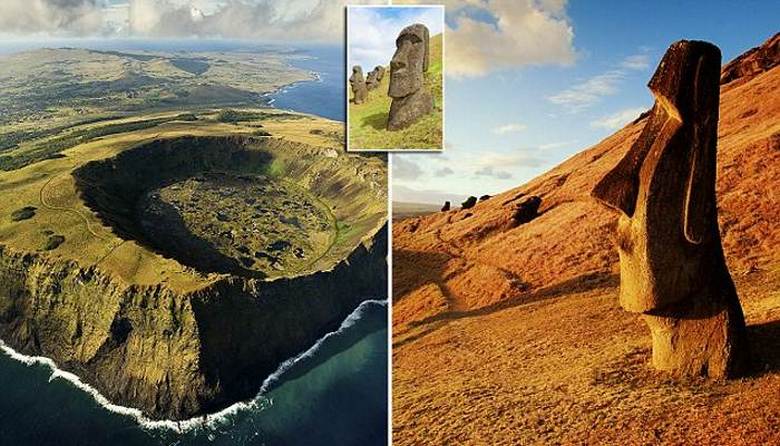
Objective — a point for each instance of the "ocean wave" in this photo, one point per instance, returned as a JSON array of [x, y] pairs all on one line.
[[208, 421]]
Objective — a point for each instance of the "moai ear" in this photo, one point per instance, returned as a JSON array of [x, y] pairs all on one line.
[[699, 209], [427, 43]]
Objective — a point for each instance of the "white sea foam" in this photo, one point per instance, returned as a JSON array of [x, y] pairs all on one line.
[[209, 421]]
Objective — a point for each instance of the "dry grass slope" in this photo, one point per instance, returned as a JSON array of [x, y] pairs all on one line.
[[515, 336]]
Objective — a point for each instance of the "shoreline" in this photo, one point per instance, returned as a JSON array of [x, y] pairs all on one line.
[[206, 421]]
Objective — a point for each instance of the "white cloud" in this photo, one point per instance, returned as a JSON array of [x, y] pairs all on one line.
[[404, 169], [619, 119], [491, 35], [509, 128], [372, 32], [589, 92], [264, 20], [490, 171], [637, 62], [443, 172], [557, 145], [58, 17]]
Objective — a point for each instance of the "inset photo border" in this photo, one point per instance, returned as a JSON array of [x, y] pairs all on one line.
[[395, 78]]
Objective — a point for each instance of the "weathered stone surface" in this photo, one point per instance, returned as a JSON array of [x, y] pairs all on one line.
[[358, 84], [446, 206], [411, 100], [672, 267], [469, 203]]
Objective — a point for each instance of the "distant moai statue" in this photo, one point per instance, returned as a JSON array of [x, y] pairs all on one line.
[[358, 83], [411, 100], [371, 82], [374, 77], [672, 267], [380, 72], [446, 206]]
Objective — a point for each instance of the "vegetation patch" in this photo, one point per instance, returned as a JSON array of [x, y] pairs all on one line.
[[24, 213], [53, 242]]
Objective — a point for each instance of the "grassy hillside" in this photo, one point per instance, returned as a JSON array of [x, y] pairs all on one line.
[[368, 121]]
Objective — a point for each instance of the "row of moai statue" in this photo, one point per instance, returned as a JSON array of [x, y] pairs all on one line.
[[410, 100], [361, 86]]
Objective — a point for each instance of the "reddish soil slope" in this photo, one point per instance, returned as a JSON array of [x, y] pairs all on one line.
[[514, 336]]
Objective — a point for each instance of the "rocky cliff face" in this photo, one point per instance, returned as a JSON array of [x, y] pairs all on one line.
[[177, 355]]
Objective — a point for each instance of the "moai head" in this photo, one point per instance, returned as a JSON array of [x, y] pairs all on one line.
[[410, 61], [380, 72], [664, 187]]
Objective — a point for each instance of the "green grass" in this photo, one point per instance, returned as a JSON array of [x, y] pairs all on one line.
[[368, 121]]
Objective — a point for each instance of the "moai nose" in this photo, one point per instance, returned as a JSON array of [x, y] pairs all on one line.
[[400, 57]]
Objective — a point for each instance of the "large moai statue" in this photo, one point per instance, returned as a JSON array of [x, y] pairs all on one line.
[[411, 100], [672, 267], [358, 84]]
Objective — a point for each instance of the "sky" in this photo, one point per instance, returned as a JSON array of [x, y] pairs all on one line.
[[515, 113], [528, 82], [372, 31]]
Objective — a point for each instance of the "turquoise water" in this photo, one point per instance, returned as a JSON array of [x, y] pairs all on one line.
[[337, 395]]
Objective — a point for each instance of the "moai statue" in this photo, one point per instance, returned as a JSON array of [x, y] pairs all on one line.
[[446, 206], [672, 267], [380, 72], [359, 91], [371, 82], [410, 61]]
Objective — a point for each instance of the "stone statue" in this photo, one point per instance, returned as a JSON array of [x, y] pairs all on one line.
[[410, 61], [672, 267], [358, 84], [446, 206], [380, 72], [374, 77]]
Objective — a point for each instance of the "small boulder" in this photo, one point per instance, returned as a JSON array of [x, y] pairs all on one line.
[[446, 206], [469, 203]]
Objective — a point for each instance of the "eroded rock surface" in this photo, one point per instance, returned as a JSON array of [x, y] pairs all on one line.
[[672, 267]]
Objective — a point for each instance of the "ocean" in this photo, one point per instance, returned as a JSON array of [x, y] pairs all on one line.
[[334, 394]]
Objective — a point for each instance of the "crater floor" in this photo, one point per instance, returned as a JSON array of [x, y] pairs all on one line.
[[249, 225]]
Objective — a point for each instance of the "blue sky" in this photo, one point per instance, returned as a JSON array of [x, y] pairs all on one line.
[[373, 30], [506, 125]]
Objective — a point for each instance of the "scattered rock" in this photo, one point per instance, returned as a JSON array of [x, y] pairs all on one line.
[[484, 197], [469, 203], [526, 210]]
